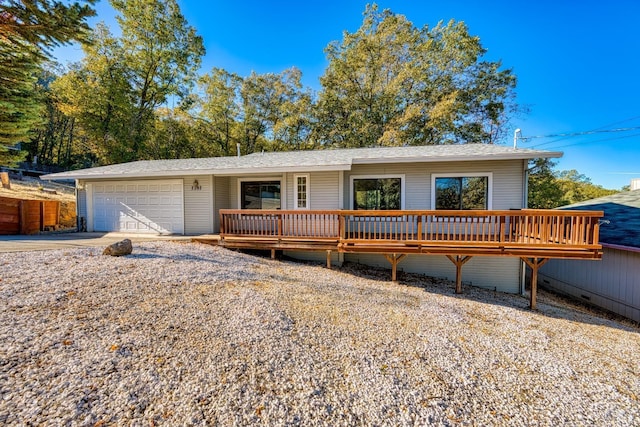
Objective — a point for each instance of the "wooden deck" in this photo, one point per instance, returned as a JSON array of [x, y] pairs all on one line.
[[535, 236]]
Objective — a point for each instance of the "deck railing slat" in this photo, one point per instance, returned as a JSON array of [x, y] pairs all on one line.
[[535, 228]]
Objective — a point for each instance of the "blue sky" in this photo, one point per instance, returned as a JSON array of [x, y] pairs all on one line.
[[577, 62]]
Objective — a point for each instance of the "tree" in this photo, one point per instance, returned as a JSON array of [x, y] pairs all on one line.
[[28, 29], [260, 112], [115, 91], [578, 187], [98, 94], [162, 54], [219, 110], [390, 83], [549, 189], [544, 192]]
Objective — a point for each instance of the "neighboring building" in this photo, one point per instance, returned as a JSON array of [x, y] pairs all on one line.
[[635, 184], [185, 196], [614, 282]]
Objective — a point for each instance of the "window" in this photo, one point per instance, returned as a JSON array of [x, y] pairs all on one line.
[[462, 192], [377, 193], [260, 195], [301, 192]]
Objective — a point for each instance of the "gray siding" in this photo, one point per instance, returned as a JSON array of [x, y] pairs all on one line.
[[81, 203], [222, 199], [613, 283], [497, 273], [198, 205], [507, 180], [324, 190], [502, 274]]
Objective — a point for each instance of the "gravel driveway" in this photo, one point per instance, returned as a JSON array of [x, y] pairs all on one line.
[[188, 334]]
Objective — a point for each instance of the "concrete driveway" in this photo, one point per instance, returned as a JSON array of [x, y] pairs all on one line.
[[42, 242]]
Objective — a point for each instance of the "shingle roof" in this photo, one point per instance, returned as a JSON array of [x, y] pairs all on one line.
[[304, 161], [622, 211]]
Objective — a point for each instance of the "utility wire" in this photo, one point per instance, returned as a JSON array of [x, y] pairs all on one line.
[[568, 135], [588, 132], [599, 140]]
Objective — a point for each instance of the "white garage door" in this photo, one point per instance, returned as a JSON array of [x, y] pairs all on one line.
[[139, 206]]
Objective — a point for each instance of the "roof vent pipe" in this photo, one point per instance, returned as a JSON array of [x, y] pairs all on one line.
[[238, 148]]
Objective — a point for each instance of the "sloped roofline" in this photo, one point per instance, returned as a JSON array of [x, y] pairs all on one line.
[[303, 161]]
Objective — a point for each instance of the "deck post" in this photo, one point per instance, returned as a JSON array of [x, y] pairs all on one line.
[[459, 261], [394, 259], [273, 254], [328, 258], [535, 264]]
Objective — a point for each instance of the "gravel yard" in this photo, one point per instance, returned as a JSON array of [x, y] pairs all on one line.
[[188, 334]]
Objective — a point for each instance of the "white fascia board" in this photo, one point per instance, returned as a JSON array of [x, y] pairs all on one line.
[[193, 172], [447, 159]]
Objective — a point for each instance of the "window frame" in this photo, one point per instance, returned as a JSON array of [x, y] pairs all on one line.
[[307, 191], [352, 178], [488, 175], [263, 179]]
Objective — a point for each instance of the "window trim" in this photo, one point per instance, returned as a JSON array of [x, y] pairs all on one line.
[[489, 176], [354, 177], [307, 190], [279, 178]]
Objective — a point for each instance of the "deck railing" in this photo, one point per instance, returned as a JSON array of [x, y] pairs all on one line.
[[525, 228]]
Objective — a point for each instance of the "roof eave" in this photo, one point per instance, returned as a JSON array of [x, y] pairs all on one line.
[[194, 172]]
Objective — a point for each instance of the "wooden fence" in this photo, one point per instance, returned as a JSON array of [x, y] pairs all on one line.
[[19, 216]]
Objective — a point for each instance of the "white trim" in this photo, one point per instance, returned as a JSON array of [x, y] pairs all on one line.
[[212, 204], [280, 178], [341, 190], [402, 186], [489, 175], [307, 184], [89, 201]]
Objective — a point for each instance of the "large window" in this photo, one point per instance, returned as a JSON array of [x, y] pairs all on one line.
[[465, 192], [377, 193], [260, 194], [301, 192]]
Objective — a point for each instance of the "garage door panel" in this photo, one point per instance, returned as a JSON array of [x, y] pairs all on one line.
[[144, 207]]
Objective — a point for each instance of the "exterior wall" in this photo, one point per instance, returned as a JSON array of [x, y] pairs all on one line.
[[221, 188], [323, 194], [612, 284], [497, 273], [508, 184], [198, 205], [500, 273]]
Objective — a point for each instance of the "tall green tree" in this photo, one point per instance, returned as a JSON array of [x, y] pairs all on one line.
[[260, 112], [390, 83], [544, 192], [28, 30], [162, 54], [98, 94], [115, 91], [219, 110]]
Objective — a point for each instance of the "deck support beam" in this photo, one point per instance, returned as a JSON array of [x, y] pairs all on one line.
[[459, 261], [394, 259], [534, 264], [328, 258]]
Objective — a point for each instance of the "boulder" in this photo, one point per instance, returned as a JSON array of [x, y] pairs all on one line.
[[123, 247]]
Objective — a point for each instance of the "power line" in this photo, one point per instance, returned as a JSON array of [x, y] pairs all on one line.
[[564, 136], [598, 140], [588, 132]]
